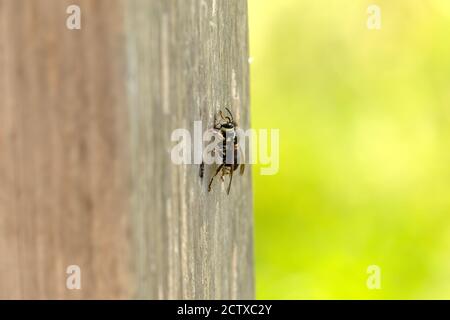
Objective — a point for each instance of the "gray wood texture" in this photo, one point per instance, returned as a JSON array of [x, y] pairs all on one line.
[[86, 178]]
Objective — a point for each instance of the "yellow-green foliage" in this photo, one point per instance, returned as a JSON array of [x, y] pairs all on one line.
[[364, 119]]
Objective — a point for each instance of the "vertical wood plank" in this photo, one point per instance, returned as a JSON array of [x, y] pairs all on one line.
[[187, 59], [62, 168]]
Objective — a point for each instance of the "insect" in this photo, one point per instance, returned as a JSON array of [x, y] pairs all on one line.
[[226, 129]]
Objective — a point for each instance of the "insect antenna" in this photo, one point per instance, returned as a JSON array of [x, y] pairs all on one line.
[[229, 112]]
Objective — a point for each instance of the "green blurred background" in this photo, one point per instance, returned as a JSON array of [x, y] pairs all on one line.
[[364, 119]]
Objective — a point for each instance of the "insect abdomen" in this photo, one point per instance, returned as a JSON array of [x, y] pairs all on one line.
[[229, 146]]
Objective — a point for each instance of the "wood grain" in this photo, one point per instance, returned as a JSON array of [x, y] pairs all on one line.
[[85, 123], [63, 167]]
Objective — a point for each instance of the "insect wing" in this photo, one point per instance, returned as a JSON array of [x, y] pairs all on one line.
[[241, 161]]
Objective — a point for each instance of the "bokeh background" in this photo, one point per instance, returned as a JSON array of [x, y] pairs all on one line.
[[364, 119]]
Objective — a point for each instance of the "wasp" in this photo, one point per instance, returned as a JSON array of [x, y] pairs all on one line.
[[226, 129]]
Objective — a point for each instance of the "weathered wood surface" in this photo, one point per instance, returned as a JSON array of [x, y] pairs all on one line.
[[85, 172]]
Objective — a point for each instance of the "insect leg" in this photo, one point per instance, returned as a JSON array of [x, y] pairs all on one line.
[[229, 185], [212, 178]]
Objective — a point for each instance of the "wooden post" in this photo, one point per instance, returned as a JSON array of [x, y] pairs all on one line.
[[86, 177]]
